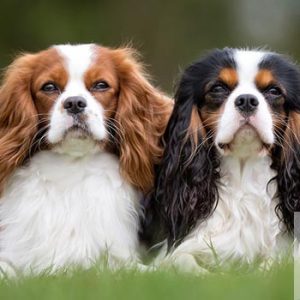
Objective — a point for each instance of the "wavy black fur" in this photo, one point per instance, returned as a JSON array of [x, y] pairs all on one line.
[[287, 165], [186, 188], [186, 185], [288, 183]]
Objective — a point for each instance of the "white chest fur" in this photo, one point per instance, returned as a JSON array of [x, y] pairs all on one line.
[[62, 210], [244, 225]]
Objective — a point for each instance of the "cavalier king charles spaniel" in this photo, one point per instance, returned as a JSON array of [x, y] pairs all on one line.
[[79, 131], [229, 179]]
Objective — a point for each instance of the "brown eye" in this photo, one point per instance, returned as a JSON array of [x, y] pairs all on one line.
[[273, 91], [100, 86], [50, 87]]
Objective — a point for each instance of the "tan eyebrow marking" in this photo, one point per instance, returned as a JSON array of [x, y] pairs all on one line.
[[264, 78], [229, 76]]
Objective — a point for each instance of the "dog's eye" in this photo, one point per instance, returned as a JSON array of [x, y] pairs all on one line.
[[50, 87], [273, 91], [218, 89], [100, 86]]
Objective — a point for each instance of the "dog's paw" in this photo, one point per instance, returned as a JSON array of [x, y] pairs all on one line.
[[7, 270], [183, 263]]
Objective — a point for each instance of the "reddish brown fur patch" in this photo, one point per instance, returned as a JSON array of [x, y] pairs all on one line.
[[291, 135], [264, 78], [229, 76], [104, 69], [142, 114], [49, 67], [22, 105], [195, 125]]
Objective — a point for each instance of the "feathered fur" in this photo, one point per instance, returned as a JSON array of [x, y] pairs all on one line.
[[71, 183]]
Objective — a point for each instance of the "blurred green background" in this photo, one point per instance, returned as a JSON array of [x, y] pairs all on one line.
[[169, 33]]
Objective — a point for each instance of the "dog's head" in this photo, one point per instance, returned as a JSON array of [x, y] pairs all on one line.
[[69, 96]]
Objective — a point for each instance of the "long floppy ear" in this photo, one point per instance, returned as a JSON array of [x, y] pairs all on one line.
[[18, 117], [288, 177], [141, 116], [186, 183]]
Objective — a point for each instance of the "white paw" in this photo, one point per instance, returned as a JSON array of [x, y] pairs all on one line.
[[7, 270], [145, 268], [188, 264]]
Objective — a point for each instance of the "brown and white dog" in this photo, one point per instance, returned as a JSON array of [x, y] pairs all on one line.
[[79, 135]]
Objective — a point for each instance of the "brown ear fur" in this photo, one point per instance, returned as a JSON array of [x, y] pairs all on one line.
[[292, 135], [142, 116], [18, 117]]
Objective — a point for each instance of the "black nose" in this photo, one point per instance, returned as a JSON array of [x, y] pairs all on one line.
[[246, 104], [75, 105]]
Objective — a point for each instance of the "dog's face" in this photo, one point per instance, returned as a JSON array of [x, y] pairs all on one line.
[[244, 99], [75, 90], [83, 88], [86, 94]]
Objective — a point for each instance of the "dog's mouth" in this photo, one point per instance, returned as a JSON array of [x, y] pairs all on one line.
[[78, 141], [246, 141], [79, 130]]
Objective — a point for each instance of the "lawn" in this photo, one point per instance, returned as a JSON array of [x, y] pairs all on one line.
[[254, 285]]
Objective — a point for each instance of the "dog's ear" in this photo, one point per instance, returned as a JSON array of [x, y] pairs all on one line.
[[142, 115], [18, 116], [288, 177], [186, 183], [286, 153]]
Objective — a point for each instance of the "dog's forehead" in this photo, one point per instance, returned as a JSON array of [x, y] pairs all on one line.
[[233, 66], [251, 68], [77, 58], [248, 64]]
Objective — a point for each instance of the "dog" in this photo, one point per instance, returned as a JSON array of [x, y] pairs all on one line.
[[79, 134], [229, 179]]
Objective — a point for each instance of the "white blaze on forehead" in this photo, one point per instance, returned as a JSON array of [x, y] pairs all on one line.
[[77, 59], [248, 64]]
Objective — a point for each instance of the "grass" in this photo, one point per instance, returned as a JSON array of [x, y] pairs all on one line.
[[92, 284]]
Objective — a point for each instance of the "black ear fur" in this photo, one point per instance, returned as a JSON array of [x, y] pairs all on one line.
[[288, 172], [186, 183], [286, 154]]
